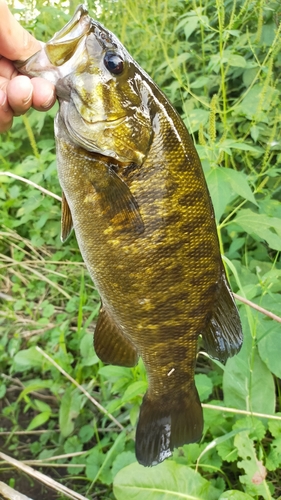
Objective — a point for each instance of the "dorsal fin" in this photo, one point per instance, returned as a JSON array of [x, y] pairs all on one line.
[[223, 337], [66, 219], [110, 343]]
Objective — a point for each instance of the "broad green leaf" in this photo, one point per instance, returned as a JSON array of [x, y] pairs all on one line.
[[122, 460], [235, 495], [28, 358], [239, 183], [244, 381], [167, 481], [269, 346], [220, 190], [266, 228], [237, 61]]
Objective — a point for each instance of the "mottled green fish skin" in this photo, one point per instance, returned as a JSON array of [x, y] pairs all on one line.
[[143, 218]]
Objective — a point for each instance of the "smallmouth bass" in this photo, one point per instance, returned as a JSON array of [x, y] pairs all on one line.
[[135, 193]]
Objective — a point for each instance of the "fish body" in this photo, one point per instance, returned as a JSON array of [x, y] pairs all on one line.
[[134, 191]]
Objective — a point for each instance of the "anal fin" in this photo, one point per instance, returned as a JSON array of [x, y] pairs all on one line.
[[110, 343], [223, 337]]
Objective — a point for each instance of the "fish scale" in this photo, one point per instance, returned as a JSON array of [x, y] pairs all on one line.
[[135, 193]]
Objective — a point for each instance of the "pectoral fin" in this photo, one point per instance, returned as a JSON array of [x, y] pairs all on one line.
[[224, 337], [117, 201], [66, 219], [111, 345]]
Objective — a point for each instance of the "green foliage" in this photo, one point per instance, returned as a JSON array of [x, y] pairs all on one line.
[[219, 62]]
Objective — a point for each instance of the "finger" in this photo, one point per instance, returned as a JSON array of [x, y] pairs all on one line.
[[19, 93], [6, 114], [15, 41], [44, 96]]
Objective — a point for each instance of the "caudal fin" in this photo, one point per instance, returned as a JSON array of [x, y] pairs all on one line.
[[165, 423]]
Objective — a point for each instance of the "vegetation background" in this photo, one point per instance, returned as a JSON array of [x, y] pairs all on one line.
[[62, 412]]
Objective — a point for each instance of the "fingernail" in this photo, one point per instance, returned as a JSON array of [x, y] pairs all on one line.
[[49, 101], [28, 98], [3, 101]]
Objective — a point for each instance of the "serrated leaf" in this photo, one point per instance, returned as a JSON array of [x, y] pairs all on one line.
[[204, 386], [168, 480], [254, 479], [256, 428], [275, 426], [227, 451], [273, 459]]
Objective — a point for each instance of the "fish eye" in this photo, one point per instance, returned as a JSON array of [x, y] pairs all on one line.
[[113, 62]]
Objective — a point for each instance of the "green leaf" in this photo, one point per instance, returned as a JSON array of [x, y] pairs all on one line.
[[124, 459], [169, 481], [237, 61], [244, 379], [273, 459], [134, 389], [220, 190], [265, 227], [69, 410], [269, 347], [39, 420], [254, 479], [87, 351], [275, 426], [204, 386], [27, 359], [235, 495], [239, 183]]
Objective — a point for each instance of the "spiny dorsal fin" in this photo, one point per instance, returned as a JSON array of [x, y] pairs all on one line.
[[224, 337], [66, 219], [111, 345]]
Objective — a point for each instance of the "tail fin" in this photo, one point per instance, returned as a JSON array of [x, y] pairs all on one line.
[[165, 423]]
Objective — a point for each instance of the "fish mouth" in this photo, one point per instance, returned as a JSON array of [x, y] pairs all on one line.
[[63, 44], [59, 50]]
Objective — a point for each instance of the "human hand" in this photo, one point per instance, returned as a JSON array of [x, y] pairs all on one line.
[[17, 92]]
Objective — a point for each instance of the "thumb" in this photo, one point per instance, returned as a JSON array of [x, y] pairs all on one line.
[[15, 42]]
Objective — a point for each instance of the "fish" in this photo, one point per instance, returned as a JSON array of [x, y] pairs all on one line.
[[135, 194]]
